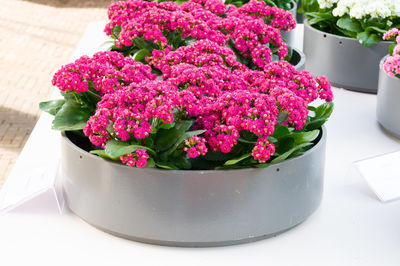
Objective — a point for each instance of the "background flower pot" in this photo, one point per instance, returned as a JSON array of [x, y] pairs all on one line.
[[388, 107], [289, 36], [344, 61], [298, 59], [192, 208]]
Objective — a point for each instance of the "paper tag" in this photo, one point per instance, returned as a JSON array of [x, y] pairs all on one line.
[[382, 174]]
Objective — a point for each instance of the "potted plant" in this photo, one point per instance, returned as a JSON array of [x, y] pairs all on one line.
[[388, 110], [221, 23], [208, 153], [289, 5], [348, 35]]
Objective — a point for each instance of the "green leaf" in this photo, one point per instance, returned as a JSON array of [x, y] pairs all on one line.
[[51, 107], [140, 56], [367, 39], [391, 48], [281, 131], [263, 165], [324, 110], [116, 148], [283, 145], [304, 137], [168, 166], [322, 114], [371, 29], [282, 117], [290, 152], [182, 162], [186, 135], [166, 138], [237, 160], [150, 163], [166, 125], [71, 116], [103, 154], [347, 23]]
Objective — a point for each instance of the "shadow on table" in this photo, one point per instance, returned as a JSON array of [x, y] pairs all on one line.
[[14, 123], [74, 3]]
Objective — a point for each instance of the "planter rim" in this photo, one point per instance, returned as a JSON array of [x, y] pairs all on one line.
[[294, 6], [302, 58], [319, 143], [383, 60], [306, 24]]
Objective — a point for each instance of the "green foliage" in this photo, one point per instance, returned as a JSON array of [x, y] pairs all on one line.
[[320, 115], [71, 116], [368, 31], [116, 148], [51, 107], [284, 4]]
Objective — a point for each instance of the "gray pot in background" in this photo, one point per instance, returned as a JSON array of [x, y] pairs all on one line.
[[388, 107], [289, 36], [192, 208], [298, 59], [344, 61]]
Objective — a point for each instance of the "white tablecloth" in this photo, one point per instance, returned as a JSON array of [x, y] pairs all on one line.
[[350, 228]]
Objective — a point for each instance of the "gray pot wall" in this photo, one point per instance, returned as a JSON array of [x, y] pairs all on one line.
[[298, 59], [289, 36], [344, 61], [388, 107], [192, 208]]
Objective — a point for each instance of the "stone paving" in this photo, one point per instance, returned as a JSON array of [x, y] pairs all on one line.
[[36, 38]]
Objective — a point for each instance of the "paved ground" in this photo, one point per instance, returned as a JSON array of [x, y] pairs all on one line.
[[36, 38]]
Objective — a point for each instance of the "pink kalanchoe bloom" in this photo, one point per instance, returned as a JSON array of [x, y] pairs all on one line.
[[390, 34], [392, 63], [263, 150], [131, 111], [138, 158], [195, 146], [105, 71]]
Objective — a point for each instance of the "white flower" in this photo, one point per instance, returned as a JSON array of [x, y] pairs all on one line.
[[362, 8], [326, 3]]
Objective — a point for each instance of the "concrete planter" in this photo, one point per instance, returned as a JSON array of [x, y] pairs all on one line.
[[388, 107], [192, 208], [344, 61], [289, 36], [298, 59]]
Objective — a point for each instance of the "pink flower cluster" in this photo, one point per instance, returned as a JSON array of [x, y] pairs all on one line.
[[250, 28], [130, 111], [151, 21], [105, 71], [138, 158], [195, 146], [392, 63], [224, 98], [263, 150]]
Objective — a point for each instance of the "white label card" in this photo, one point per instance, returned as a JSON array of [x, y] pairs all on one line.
[[382, 174]]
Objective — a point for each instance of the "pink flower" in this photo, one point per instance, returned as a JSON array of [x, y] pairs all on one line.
[[195, 146], [138, 158]]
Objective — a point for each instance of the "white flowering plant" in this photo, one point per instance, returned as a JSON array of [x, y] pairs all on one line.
[[365, 20]]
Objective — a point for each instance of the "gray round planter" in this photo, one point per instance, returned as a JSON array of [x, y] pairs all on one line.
[[344, 61], [192, 208], [388, 107], [289, 36], [298, 59]]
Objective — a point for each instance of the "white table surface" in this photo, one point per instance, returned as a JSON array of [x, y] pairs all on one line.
[[351, 227]]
